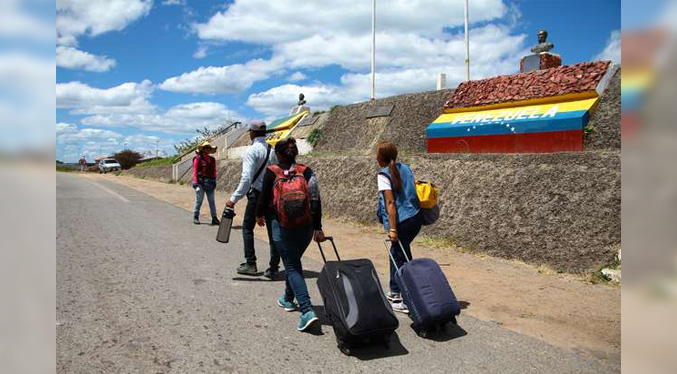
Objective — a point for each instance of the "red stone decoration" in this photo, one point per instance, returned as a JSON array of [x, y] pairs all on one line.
[[537, 84]]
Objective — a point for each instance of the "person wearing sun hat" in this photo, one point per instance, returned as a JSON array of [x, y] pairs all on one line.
[[204, 180]]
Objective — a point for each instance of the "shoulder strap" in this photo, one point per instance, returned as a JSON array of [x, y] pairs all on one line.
[[258, 172]]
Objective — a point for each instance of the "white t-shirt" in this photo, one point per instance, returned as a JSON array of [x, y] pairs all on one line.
[[383, 183]]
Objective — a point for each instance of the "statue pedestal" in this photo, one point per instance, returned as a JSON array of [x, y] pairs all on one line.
[[540, 61]]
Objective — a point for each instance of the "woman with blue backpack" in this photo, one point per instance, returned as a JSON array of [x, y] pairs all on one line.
[[398, 211], [290, 197]]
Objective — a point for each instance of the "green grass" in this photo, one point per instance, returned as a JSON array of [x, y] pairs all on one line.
[[159, 162], [314, 137], [597, 277], [65, 169]]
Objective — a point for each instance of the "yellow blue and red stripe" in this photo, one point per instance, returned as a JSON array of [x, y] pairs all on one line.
[[521, 128], [281, 127]]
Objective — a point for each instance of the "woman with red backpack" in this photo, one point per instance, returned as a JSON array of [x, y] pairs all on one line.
[[291, 199]]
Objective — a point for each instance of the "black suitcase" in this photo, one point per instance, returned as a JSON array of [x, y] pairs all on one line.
[[354, 303]]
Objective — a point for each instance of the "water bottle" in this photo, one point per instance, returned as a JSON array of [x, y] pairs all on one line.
[[223, 235]]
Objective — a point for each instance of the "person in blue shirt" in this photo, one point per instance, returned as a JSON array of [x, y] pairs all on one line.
[[257, 157], [398, 211]]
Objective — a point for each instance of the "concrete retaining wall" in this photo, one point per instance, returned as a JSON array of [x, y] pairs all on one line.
[[562, 210]]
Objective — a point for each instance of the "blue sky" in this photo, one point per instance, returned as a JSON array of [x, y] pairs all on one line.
[[130, 72]]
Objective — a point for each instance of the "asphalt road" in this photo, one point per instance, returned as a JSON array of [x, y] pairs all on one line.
[[140, 289]]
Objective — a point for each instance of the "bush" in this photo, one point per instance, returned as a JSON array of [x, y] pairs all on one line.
[[314, 137], [128, 158]]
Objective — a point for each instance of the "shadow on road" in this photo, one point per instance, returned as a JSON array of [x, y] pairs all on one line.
[[281, 276], [366, 353], [449, 332], [464, 304]]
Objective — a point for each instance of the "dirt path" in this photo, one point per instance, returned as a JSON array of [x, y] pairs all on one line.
[[561, 309]]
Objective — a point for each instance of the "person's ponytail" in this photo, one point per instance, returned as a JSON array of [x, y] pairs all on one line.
[[395, 174], [386, 152]]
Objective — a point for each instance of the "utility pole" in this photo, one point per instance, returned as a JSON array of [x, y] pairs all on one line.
[[156, 145], [373, 49], [467, 44]]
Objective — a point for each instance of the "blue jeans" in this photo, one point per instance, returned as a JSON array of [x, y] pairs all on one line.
[[406, 232], [292, 243], [199, 197]]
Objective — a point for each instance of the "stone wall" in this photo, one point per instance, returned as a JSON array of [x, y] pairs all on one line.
[[161, 173], [605, 123], [347, 129], [562, 209]]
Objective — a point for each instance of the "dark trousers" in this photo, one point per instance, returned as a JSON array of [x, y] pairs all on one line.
[[406, 232], [248, 225]]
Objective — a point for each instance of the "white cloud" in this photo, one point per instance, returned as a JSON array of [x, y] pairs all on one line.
[[405, 64], [130, 97], [612, 50], [16, 22], [297, 77], [72, 58], [279, 100], [86, 135], [180, 119], [174, 2], [65, 128], [415, 41], [72, 143], [225, 79], [265, 22], [95, 17], [200, 52], [402, 50]]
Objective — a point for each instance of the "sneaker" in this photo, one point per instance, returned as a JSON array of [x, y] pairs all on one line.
[[196, 220], [394, 297], [270, 274], [215, 221], [289, 306], [247, 269], [400, 307], [307, 320]]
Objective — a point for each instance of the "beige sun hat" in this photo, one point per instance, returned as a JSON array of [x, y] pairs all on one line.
[[207, 147]]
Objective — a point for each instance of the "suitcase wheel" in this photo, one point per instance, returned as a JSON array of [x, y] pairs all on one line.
[[344, 349]]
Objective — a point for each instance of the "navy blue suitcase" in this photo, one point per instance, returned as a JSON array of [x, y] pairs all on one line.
[[426, 292]]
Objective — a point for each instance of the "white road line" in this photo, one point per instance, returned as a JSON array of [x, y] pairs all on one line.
[[109, 191]]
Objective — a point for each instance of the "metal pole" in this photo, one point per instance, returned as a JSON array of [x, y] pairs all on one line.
[[467, 44], [373, 49]]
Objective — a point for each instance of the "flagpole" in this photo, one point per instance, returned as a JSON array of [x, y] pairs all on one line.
[[467, 44], [373, 49]]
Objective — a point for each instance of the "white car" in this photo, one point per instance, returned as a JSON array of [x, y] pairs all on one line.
[[108, 164]]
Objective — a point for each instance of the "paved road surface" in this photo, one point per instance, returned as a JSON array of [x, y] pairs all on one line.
[[140, 289]]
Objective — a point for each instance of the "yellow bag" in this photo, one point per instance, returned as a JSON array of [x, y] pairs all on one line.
[[427, 194]]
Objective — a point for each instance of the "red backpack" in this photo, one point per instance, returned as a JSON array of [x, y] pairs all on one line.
[[291, 197]]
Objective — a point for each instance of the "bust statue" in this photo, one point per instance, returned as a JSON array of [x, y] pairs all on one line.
[[543, 45], [302, 100]]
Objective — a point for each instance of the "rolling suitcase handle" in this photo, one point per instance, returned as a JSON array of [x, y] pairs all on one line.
[[385, 242], [331, 239]]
